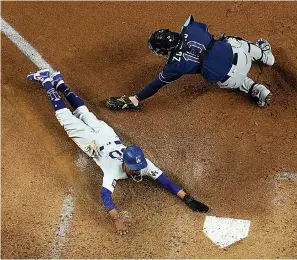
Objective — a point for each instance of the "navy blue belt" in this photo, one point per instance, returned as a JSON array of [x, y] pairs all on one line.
[[234, 62], [102, 147]]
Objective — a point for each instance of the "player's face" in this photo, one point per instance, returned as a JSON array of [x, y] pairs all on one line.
[[135, 175]]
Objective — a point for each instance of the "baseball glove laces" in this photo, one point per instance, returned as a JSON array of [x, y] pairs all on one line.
[[120, 103]]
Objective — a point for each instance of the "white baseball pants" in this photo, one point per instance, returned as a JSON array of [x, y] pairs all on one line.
[[88, 132], [238, 73]]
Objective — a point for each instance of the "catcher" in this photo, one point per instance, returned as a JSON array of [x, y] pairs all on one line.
[[99, 141], [225, 61]]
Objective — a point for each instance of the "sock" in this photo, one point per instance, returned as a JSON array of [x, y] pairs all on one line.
[[54, 96], [71, 97]]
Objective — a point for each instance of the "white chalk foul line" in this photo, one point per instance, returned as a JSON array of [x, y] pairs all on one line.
[[68, 203], [63, 228], [24, 46]]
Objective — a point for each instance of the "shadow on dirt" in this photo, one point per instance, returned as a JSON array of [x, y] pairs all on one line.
[[288, 76], [285, 70]]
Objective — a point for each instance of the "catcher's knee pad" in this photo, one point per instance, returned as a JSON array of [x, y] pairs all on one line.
[[80, 110]]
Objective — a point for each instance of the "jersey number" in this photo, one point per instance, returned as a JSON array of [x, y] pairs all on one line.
[[116, 154], [178, 56], [193, 51]]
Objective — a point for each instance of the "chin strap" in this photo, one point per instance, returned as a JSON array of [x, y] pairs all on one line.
[[134, 178]]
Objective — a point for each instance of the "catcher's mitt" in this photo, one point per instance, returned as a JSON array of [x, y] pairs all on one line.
[[120, 103], [195, 205]]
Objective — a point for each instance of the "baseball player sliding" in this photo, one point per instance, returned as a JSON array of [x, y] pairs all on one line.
[[99, 141], [226, 61]]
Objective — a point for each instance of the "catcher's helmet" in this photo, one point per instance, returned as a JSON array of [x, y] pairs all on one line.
[[162, 41], [134, 158]]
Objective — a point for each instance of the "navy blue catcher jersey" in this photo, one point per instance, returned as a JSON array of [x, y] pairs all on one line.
[[186, 58]]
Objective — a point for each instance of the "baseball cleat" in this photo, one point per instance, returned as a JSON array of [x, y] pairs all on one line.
[[267, 56], [261, 94], [268, 99], [40, 76], [57, 79]]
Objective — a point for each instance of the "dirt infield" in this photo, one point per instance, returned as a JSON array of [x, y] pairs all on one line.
[[218, 145]]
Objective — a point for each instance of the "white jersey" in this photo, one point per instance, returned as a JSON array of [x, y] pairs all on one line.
[[99, 141], [110, 161]]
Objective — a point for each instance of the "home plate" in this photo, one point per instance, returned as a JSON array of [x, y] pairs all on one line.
[[225, 231]]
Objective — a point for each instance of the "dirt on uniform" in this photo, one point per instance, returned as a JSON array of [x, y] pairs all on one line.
[[217, 144]]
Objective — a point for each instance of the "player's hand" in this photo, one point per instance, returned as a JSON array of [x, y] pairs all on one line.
[[122, 226]]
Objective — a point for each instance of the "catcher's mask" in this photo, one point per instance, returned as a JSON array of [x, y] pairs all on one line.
[[135, 161], [162, 41]]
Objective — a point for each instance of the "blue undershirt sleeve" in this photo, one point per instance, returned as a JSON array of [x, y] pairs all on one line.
[[107, 199], [168, 184], [150, 89]]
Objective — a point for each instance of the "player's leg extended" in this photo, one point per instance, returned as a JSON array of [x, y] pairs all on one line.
[[71, 97], [43, 76], [76, 129], [74, 124], [81, 111], [103, 130]]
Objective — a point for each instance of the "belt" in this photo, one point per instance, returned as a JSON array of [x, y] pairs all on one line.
[[234, 62], [102, 147]]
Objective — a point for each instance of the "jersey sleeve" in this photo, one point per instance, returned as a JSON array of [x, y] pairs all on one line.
[[161, 178], [109, 182], [151, 170], [150, 89], [171, 72], [168, 184], [188, 22], [106, 197], [111, 165]]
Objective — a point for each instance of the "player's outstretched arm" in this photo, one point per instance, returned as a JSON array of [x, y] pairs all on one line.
[[169, 185], [132, 102], [120, 224], [151, 89]]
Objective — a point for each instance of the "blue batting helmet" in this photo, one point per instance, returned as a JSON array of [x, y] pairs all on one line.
[[134, 158]]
